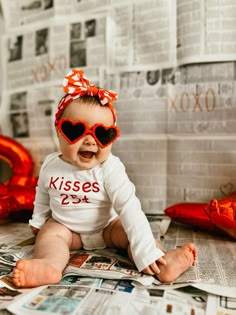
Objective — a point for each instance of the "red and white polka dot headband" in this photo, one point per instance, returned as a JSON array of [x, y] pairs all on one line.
[[76, 85]]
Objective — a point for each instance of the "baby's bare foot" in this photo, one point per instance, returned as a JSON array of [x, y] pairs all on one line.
[[177, 261], [33, 273]]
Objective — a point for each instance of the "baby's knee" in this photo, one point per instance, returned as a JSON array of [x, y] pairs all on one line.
[[53, 228]]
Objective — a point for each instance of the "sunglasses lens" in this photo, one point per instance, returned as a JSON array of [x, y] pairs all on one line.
[[72, 131], [104, 135]]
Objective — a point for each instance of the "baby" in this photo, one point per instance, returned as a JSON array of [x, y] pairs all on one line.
[[84, 198]]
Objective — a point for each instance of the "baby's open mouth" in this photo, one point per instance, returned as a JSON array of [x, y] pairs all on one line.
[[86, 154]]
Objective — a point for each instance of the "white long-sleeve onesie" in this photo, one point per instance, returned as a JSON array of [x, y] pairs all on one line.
[[87, 200]]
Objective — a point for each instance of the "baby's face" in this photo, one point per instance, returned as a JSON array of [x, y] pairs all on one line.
[[85, 153]]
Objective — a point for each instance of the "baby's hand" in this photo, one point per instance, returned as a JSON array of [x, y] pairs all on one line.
[[34, 230], [153, 269]]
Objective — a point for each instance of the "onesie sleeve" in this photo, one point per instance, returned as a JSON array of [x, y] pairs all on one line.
[[121, 192], [41, 212]]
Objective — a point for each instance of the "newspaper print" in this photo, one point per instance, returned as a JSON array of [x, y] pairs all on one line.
[[215, 266], [136, 46], [84, 300], [186, 115], [114, 45], [23, 12], [13, 237], [39, 54], [213, 40], [6, 296], [29, 112], [88, 300], [107, 263], [26, 12], [221, 305]]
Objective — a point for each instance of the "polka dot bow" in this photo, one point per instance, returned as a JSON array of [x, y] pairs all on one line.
[[75, 85]]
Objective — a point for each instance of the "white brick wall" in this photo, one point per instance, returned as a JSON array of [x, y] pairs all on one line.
[[200, 168]]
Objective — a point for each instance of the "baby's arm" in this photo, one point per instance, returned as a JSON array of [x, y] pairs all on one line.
[[121, 192]]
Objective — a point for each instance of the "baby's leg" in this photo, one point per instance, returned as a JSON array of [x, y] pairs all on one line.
[[115, 236], [51, 255], [177, 261]]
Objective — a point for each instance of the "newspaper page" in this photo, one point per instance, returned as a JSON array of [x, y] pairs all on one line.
[[14, 236], [29, 112], [187, 114], [205, 31], [108, 296], [77, 300], [220, 305], [105, 300], [102, 296], [10, 258], [131, 39], [185, 32], [6, 297], [106, 264], [42, 53], [28, 118], [216, 258], [22, 12], [190, 301], [26, 12], [15, 243], [87, 6]]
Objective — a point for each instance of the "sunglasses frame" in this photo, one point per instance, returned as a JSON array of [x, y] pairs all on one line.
[[87, 130]]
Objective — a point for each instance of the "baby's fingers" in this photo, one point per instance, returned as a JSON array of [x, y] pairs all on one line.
[[152, 269], [162, 261]]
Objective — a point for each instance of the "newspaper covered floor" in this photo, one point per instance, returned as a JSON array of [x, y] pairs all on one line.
[[208, 288], [215, 268]]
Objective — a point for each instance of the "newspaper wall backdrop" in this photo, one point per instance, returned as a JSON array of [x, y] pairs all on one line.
[[173, 66]]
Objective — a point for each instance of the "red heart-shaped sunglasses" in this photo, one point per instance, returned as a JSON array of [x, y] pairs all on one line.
[[73, 131]]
